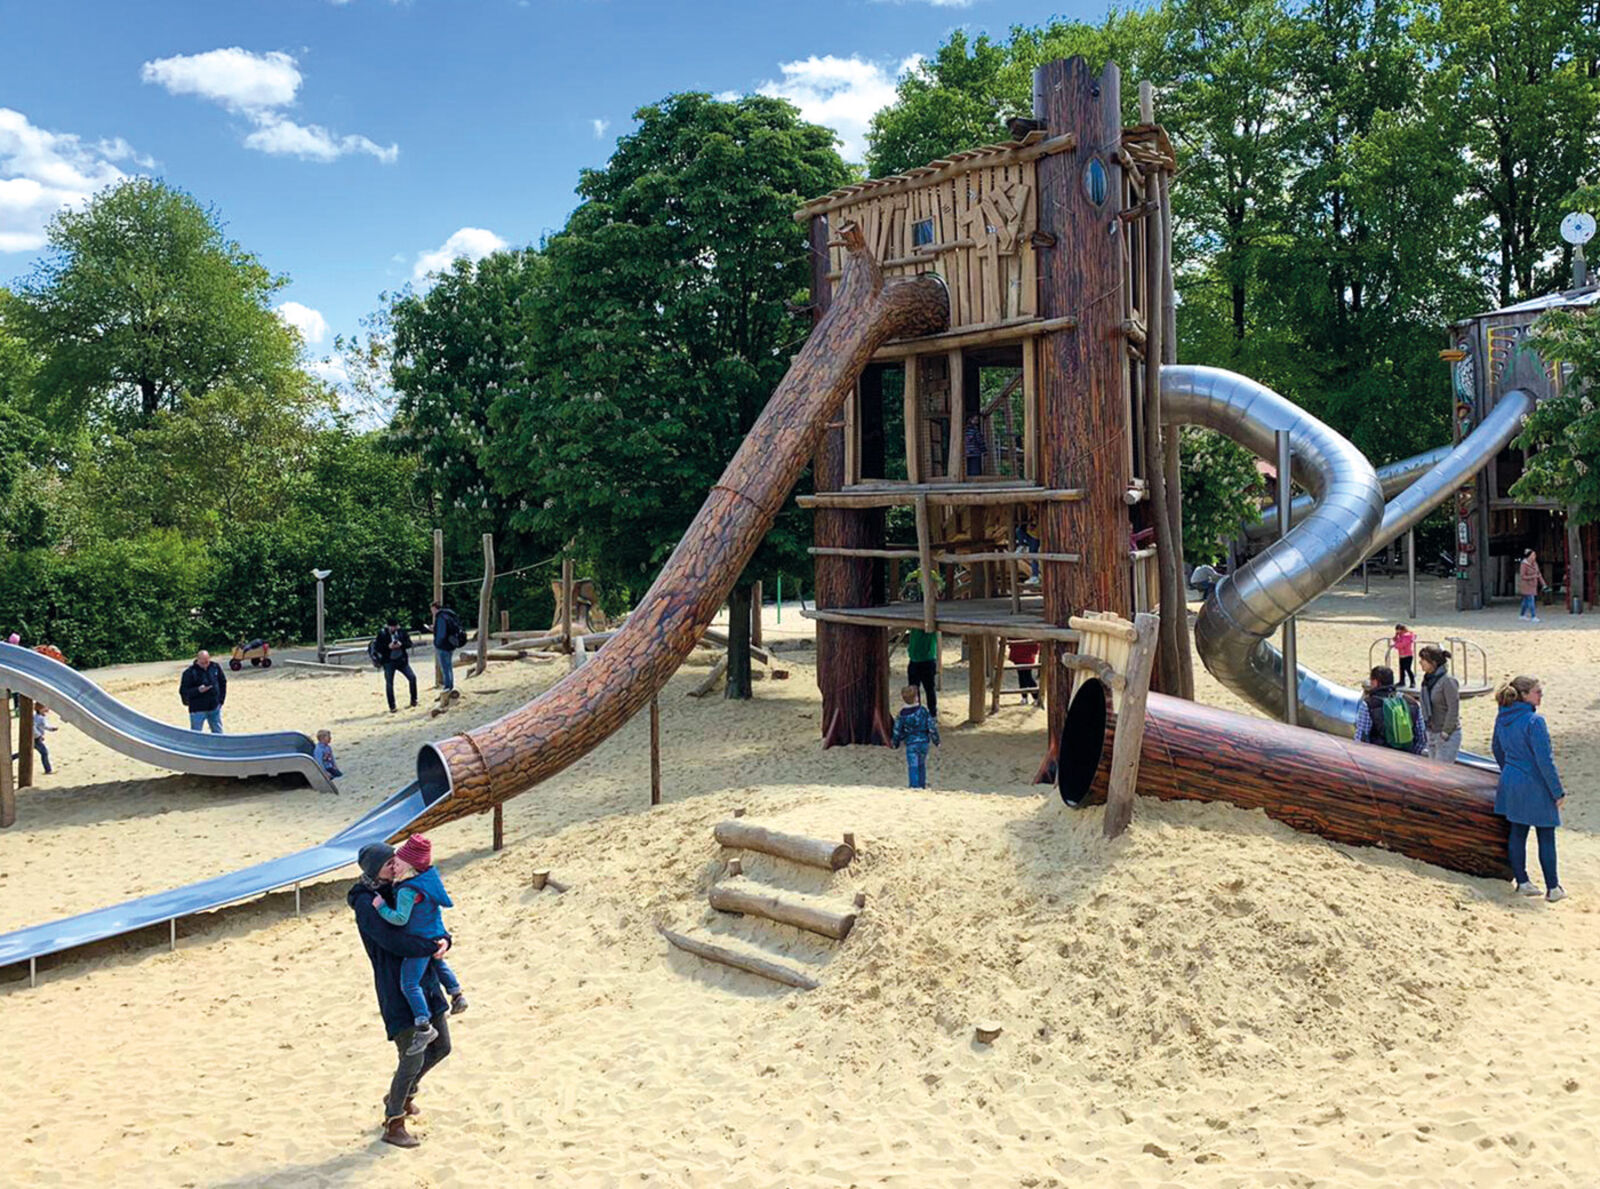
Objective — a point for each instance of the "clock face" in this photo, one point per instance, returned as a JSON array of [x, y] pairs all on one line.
[[1577, 228]]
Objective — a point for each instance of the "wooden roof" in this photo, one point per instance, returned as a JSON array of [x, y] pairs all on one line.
[[1011, 152]]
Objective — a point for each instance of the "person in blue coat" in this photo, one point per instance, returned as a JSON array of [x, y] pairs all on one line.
[[1530, 792]]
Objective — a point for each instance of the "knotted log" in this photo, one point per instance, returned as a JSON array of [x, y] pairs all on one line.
[[473, 771], [749, 963], [810, 917], [810, 852]]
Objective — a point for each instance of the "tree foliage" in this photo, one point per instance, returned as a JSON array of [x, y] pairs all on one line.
[[142, 304], [1562, 435]]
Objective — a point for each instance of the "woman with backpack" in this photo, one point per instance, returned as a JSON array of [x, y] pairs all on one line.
[[1441, 704], [1530, 792], [1388, 718]]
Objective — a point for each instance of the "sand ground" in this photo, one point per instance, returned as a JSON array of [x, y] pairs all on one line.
[[1211, 1000]]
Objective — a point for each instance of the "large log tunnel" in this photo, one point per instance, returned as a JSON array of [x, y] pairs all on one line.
[[1349, 792]]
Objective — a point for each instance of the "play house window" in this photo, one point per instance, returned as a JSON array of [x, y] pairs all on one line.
[[1096, 182], [921, 232]]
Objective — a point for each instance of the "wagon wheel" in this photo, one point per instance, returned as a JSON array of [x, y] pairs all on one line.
[[266, 662], [235, 664]]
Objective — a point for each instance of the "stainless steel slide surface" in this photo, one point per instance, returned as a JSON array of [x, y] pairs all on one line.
[[85, 705], [1348, 520], [1393, 478], [389, 817]]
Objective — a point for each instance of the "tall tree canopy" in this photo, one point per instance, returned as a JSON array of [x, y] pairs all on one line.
[[673, 303], [142, 303]]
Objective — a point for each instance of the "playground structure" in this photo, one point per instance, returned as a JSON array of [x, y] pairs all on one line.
[[1048, 258]]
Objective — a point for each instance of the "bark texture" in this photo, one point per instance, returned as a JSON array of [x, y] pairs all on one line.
[[476, 770]]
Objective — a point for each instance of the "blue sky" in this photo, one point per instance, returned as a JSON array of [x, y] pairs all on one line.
[[353, 144]]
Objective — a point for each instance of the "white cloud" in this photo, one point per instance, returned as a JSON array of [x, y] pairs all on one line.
[[43, 171], [330, 369], [233, 77], [474, 243], [258, 87], [313, 327], [839, 93], [599, 127]]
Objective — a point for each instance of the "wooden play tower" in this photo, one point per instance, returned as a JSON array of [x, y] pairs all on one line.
[[1055, 249]]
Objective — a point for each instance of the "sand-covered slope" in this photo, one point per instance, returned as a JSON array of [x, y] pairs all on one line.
[[1212, 1000]]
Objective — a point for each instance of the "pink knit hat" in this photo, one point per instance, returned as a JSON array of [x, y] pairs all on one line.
[[417, 851]]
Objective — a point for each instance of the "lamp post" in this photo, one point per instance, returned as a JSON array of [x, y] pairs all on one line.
[[322, 648]]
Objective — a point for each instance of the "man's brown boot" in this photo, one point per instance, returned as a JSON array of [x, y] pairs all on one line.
[[411, 1106], [394, 1132]]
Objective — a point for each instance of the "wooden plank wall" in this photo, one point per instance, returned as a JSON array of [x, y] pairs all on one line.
[[982, 221]]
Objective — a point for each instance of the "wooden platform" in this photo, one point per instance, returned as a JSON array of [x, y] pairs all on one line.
[[958, 617]]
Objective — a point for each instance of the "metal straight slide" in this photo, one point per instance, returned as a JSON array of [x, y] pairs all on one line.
[[97, 714], [36, 941], [1347, 521]]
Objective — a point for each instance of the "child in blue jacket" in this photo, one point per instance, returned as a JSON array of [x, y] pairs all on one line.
[[916, 728], [418, 897]]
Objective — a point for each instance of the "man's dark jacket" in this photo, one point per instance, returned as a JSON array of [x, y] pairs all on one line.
[[386, 945], [200, 701], [379, 648]]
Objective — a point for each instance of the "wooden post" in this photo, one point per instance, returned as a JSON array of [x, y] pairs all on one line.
[[1575, 591], [438, 596], [499, 827], [8, 792], [1129, 742], [655, 751], [505, 624], [925, 561], [485, 596], [322, 646], [755, 613], [913, 420], [24, 743], [566, 604], [1083, 413]]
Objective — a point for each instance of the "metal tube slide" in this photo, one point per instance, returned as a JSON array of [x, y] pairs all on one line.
[[1348, 521], [1393, 478], [120, 727]]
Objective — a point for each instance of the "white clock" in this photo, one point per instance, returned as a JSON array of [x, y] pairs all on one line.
[[1577, 228]]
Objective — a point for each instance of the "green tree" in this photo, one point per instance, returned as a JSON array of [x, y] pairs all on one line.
[[670, 317], [142, 304], [1562, 435], [1220, 491]]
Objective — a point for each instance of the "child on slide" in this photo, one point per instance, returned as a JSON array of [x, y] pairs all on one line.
[[419, 896]]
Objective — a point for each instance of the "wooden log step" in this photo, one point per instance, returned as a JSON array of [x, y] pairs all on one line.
[[811, 852], [743, 897], [740, 959]]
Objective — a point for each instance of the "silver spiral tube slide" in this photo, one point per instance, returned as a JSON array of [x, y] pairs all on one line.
[[1347, 521], [1393, 478]]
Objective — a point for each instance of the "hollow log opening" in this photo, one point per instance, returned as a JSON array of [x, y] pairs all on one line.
[[1083, 739]]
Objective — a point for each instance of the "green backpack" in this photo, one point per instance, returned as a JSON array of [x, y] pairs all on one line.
[[1397, 723]]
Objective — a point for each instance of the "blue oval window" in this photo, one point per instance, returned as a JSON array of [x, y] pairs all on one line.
[[1095, 181]]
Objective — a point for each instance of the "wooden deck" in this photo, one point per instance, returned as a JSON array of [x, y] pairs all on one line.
[[958, 617]]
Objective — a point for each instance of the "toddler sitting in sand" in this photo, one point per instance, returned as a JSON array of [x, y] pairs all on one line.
[[916, 728], [323, 754], [418, 897]]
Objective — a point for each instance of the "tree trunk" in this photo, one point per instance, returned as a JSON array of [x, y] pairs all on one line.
[[474, 771], [738, 643]]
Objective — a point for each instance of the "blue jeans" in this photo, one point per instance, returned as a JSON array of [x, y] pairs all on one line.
[[411, 972], [211, 718], [1528, 607], [1518, 850], [917, 767], [447, 666]]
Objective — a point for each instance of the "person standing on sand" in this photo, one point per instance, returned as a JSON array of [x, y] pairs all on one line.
[[391, 650], [387, 946], [1529, 580], [203, 690], [447, 637], [1441, 704], [1405, 647], [1530, 793]]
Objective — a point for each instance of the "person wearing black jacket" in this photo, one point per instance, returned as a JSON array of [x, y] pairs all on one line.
[[386, 946], [391, 649], [203, 689]]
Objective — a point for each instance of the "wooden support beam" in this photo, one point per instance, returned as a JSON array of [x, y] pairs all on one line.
[[1099, 666], [655, 751], [913, 422], [1129, 739], [8, 791], [1118, 629], [925, 560], [438, 594], [755, 614], [810, 852], [24, 743], [987, 335], [566, 603], [813, 919], [1013, 555], [485, 597], [748, 963], [975, 495], [499, 838]]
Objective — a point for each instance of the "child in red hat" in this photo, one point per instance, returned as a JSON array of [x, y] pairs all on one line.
[[419, 896]]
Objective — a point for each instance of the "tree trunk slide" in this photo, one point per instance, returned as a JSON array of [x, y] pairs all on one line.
[[1355, 793], [810, 852], [836, 925], [473, 771], [750, 964]]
